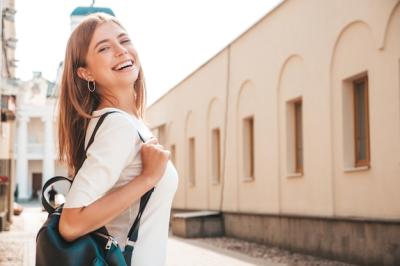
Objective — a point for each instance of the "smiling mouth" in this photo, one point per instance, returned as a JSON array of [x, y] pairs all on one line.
[[124, 65]]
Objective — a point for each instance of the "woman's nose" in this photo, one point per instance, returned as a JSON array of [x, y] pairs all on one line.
[[120, 50]]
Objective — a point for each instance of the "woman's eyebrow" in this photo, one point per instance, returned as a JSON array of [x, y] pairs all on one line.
[[106, 40]]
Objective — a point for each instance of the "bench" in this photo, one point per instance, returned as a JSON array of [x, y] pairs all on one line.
[[197, 224]]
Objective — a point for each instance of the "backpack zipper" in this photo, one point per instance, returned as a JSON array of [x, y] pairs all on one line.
[[110, 241]]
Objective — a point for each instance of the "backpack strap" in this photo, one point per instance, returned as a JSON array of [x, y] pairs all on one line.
[[134, 231], [98, 124], [50, 209], [47, 206]]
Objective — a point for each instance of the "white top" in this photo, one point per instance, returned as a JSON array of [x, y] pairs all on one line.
[[113, 160]]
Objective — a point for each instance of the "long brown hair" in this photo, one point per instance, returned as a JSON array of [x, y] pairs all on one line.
[[76, 103]]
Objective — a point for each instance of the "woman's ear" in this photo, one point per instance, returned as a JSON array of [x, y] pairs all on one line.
[[83, 73]]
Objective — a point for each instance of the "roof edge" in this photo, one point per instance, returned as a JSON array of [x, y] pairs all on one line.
[[219, 52]]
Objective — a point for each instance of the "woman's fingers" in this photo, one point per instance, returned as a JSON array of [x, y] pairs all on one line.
[[155, 158], [159, 146], [152, 140], [152, 143]]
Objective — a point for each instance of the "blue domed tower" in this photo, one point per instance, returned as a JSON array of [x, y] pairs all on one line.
[[81, 11]]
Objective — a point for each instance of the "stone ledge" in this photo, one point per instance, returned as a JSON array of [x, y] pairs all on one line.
[[197, 224]]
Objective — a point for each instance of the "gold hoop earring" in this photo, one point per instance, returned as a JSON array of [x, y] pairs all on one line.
[[91, 88]]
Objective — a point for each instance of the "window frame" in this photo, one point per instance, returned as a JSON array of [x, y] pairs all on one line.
[[216, 173], [192, 161], [367, 161], [248, 153], [298, 168]]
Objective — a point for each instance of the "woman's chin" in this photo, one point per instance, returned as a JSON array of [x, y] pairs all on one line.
[[127, 79], [131, 75]]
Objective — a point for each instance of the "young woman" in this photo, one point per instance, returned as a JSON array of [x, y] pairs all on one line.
[[102, 73]]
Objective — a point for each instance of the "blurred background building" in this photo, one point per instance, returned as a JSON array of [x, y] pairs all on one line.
[[292, 131], [8, 91], [35, 143]]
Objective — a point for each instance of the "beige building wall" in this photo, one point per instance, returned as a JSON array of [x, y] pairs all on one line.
[[189, 110], [309, 50]]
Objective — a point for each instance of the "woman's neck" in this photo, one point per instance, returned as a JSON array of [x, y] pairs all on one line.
[[122, 100]]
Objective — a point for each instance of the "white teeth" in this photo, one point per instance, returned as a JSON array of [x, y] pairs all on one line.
[[122, 65]]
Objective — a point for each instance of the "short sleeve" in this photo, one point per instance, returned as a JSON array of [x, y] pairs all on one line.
[[112, 149]]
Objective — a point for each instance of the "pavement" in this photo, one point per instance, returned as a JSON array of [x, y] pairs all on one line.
[[17, 246], [185, 252]]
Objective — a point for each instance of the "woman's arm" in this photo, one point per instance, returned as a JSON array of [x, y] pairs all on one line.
[[76, 222]]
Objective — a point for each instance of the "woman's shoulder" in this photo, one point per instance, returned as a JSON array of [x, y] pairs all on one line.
[[114, 118], [116, 125]]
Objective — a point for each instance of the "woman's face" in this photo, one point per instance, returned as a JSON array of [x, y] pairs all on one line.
[[111, 61]]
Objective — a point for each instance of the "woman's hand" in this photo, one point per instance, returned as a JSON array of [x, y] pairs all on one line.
[[154, 159]]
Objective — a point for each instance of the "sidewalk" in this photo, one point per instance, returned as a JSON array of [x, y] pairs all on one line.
[[191, 252], [17, 246]]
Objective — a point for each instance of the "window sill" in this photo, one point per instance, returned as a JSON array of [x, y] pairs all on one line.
[[294, 175], [248, 179], [356, 169]]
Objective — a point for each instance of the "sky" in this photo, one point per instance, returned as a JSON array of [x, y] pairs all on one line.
[[173, 37]]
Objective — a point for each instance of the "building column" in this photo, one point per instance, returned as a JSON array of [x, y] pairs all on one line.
[[48, 159], [22, 158]]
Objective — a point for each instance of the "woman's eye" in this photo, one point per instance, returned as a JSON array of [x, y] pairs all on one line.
[[103, 49], [126, 41]]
